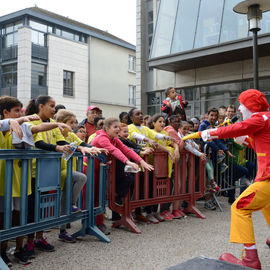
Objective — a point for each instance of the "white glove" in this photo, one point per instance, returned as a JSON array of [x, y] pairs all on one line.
[[206, 135], [241, 140]]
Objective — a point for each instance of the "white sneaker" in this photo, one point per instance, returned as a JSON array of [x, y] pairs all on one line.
[[152, 219], [159, 217]]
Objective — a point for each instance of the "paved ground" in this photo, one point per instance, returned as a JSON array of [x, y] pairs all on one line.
[[158, 247]]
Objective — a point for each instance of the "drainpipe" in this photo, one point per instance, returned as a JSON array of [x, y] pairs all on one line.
[[89, 70]]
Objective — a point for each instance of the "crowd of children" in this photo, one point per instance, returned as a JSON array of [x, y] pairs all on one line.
[[127, 138]]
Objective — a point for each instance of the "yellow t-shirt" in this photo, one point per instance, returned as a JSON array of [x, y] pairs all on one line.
[[168, 145], [90, 139], [51, 136], [70, 138], [6, 143], [151, 134]]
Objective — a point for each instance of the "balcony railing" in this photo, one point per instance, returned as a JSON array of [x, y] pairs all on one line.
[[37, 90], [9, 53], [39, 52]]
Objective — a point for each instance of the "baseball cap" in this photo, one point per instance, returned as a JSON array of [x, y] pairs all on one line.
[[90, 108]]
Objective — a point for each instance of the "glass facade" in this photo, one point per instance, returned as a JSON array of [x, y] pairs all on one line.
[[10, 34], [9, 80], [38, 80], [201, 98], [234, 25], [40, 29], [164, 28], [184, 25]]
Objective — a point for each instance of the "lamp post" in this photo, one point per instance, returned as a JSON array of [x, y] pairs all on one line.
[[254, 10]]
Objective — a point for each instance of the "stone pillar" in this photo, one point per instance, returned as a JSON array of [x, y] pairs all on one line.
[[24, 65]]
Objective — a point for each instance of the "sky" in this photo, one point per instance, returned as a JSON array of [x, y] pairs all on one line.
[[118, 17]]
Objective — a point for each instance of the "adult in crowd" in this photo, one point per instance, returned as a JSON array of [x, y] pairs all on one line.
[[91, 113]]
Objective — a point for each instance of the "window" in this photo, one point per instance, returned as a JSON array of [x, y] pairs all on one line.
[[68, 83], [8, 82], [200, 98], [9, 76], [234, 26], [132, 95], [10, 34], [164, 28], [38, 80], [38, 26], [209, 23], [186, 19], [38, 38], [131, 63]]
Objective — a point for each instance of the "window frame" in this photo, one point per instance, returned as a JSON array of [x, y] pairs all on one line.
[[132, 95], [132, 63], [67, 90]]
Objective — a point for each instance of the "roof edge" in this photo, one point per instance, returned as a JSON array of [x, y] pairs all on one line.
[[91, 32]]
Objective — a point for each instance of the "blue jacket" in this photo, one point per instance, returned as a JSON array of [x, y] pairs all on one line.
[[215, 144]]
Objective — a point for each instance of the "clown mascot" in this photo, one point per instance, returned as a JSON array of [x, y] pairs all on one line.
[[254, 131]]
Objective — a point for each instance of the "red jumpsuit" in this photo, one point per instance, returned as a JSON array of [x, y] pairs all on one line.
[[257, 196]]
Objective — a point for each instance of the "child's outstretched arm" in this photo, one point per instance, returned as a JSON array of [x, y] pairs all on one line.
[[49, 126]]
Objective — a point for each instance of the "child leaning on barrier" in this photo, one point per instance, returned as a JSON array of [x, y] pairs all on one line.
[[10, 107], [217, 146], [98, 123], [172, 130], [143, 136], [190, 145], [125, 180], [108, 139], [80, 131], [78, 178], [158, 122], [53, 140]]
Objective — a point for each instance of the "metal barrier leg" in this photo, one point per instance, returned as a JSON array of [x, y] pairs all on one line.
[[217, 203], [127, 222], [126, 219], [3, 266], [92, 228], [194, 210]]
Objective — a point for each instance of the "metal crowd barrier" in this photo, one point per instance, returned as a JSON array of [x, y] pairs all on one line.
[[47, 194], [227, 181], [184, 188]]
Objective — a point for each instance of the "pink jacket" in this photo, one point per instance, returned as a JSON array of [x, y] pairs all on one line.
[[174, 134], [115, 147]]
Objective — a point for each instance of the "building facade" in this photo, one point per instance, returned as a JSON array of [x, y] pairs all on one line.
[[200, 47], [43, 53]]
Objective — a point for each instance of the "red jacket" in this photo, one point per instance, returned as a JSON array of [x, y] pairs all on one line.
[[258, 130], [168, 110], [115, 147]]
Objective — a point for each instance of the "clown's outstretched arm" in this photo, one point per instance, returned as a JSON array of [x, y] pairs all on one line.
[[246, 127]]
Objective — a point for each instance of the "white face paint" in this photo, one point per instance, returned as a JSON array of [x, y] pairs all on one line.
[[246, 114]]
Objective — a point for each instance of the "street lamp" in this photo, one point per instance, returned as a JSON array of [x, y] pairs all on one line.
[[254, 10]]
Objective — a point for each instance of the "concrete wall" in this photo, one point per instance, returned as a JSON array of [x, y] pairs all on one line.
[[24, 65], [234, 71], [100, 73], [72, 56], [109, 76]]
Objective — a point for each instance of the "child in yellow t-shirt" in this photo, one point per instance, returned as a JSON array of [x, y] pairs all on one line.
[[53, 140], [158, 123], [10, 107], [78, 178]]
